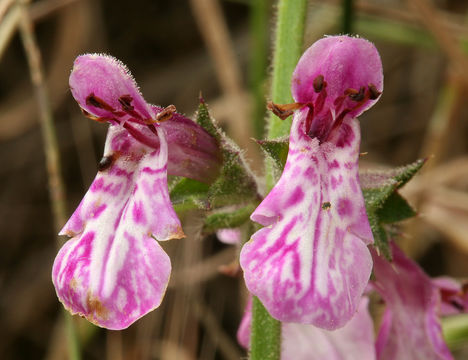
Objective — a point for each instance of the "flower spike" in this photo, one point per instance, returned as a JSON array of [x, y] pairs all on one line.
[[310, 264]]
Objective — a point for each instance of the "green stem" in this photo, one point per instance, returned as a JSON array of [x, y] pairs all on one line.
[[266, 332], [348, 16], [288, 49], [258, 62]]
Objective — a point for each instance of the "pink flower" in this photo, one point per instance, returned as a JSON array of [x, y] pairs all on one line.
[[453, 295], [112, 271], [230, 236], [306, 342], [310, 264], [410, 327]]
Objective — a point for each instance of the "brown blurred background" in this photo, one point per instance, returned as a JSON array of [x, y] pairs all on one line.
[[175, 49]]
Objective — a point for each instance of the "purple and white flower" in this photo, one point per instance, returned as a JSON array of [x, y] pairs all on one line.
[[113, 271], [410, 327], [310, 263]]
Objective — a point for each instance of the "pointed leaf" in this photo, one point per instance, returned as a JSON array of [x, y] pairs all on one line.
[[187, 194], [395, 209], [205, 120], [222, 220], [276, 149], [236, 182], [380, 236], [399, 176], [375, 198]]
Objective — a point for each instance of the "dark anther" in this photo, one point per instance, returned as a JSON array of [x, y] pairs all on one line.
[[283, 111], [126, 102], [98, 103], [326, 205], [166, 113], [106, 162], [356, 95], [373, 92], [319, 83], [456, 305]]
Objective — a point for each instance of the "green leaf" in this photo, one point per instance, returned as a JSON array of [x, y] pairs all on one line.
[[399, 176], [187, 187], [384, 205], [232, 219], [406, 173], [187, 194], [376, 198], [205, 120], [395, 209], [276, 149], [380, 236], [236, 183]]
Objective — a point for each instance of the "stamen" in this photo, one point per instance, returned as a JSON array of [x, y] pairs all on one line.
[[283, 111], [126, 102], [373, 92], [319, 83], [456, 305], [356, 95], [309, 118], [98, 103], [95, 118], [166, 113]]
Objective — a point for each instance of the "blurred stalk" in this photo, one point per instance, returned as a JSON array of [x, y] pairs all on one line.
[[455, 329], [443, 121], [390, 25], [56, 188], [266, 332], [8, 24], [348, 14], [258, 62], [288, 49]]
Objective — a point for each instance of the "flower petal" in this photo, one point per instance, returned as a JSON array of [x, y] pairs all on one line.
[[193, 153], [345, 63], [454, 296], [410, 327], [311, 264], [112, 281], [105, 78], [306, 342], [229, 236], [112, 271], [106, 91], [353, 341]]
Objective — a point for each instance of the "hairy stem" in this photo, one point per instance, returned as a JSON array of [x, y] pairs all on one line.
[[266, 331]]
